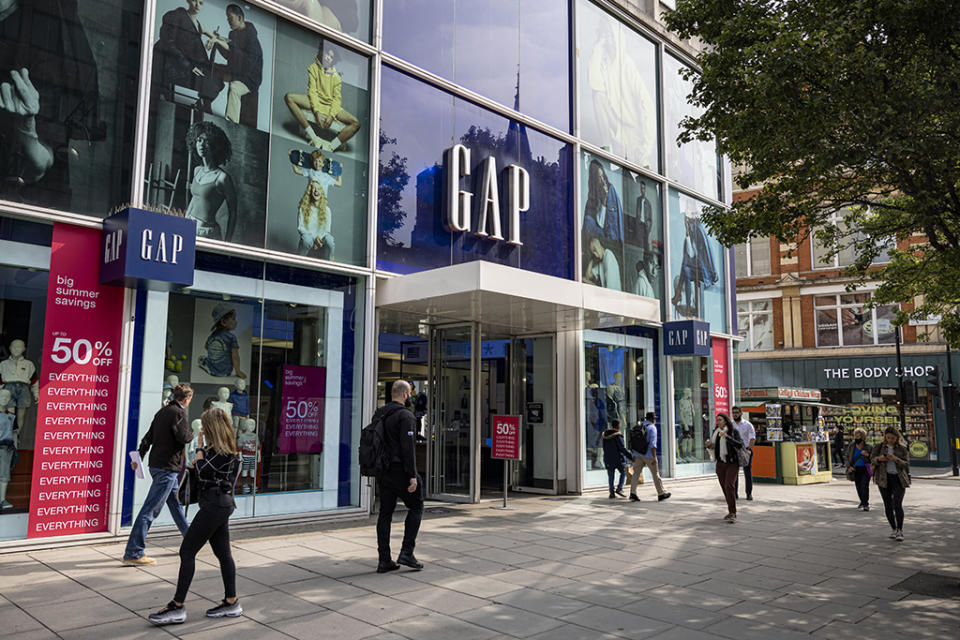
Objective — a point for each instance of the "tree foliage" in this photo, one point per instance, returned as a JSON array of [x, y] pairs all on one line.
[[848, 106]]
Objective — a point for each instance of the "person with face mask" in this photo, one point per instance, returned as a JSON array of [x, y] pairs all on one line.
[[858, 467]]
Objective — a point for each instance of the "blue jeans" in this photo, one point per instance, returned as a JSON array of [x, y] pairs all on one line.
[[610, 473], [163, 489]]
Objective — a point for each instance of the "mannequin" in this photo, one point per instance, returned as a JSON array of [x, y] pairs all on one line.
[[168, 386], [8, 446], [195, 426], [19, 376], [249, 454], [685, 417], [222, 402], [240, 400]]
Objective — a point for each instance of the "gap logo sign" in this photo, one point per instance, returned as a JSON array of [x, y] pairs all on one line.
[[147, 249], [686, 338]]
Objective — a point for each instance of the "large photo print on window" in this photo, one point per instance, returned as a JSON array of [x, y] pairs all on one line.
[[349, 16], [68, 72], [696, 265], [242, 99]]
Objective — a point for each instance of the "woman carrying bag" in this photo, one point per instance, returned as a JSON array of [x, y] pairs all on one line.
[[217, 467], [858, 466], [891, 472], [727, 446]]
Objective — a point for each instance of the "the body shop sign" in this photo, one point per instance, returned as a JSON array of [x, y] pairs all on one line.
[[301, 417], [76, 414], [721, 387]]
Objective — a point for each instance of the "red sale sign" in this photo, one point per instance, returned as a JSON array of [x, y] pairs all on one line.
[[301, 416], [70, 491], [721, 388], [506, 437]]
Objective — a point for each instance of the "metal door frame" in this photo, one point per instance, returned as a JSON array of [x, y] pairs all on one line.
[[515, 408]]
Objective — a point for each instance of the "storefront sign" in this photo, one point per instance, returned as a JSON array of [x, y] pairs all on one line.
[[301, 410], [872, 373], [721, 388], [535, 413], [76, 413], [686, 338], [782, 393], [146, 248], [456, 164], [506, 437]]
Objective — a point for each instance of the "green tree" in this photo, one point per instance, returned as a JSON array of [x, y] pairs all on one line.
[[848, 106]]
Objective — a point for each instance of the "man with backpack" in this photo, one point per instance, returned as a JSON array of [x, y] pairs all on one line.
[[643, 443], [387, 451]]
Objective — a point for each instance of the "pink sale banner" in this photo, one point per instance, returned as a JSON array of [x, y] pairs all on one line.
[[302, 403]]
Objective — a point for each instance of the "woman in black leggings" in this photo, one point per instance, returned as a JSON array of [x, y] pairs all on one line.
[[218, 467], [891, 471]]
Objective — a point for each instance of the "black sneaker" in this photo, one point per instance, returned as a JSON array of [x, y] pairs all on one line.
[[750, 497], [866, 507], [225, 609], [170, 614], [634, 497], [407, 559], [620, 493], [387, 565], [663, 496], [612, 495]]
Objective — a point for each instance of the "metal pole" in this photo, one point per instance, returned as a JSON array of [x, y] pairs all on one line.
[[951, 404], [506, 481], [903, 408]]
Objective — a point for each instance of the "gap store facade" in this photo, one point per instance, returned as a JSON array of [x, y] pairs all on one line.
[[370, 191]]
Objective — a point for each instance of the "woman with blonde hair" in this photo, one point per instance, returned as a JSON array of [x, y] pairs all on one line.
[[858, 466], [218, 467], [891, 472]]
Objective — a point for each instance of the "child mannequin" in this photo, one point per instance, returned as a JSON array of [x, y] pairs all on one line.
[[196, 425], [19, 376], [8, 446], [249, 454], [223, 394], [240, 400]]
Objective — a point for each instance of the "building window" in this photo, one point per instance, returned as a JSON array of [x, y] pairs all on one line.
[[755, 324], [752, 258], [844, 320], [845, 257]]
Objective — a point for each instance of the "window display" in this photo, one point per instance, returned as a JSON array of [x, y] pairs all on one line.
[[858, 324], [622, 239], [241, 100], [618, 86], [698, 289], [693, 410], [66, 127]]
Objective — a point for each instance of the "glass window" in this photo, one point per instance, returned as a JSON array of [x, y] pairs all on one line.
[[510, 51], [420, 122], [857, 325], [693, 406], [755, 324], [618, 86], [82, 60], [696, 163], [846, 255], [242, 100], [622, 239], [698, 289], [279, 352], [350, 16], [752, 258]]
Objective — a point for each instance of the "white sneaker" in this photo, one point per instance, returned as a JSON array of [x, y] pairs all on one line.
[[899, 536], [893, 534]]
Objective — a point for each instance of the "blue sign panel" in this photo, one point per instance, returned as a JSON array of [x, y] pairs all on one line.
[[147, 249], [686, 338]]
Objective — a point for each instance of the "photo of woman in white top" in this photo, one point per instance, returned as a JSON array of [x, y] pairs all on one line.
[[211, 186]]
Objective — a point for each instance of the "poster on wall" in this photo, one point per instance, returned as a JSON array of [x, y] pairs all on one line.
[[806, 459], [301, 410], [222, 339], [76, 417], [721, 387]]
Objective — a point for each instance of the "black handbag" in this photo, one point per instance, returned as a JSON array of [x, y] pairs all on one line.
[[189, 491]]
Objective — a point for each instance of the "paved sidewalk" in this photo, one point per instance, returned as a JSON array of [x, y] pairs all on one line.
[[802, 562]]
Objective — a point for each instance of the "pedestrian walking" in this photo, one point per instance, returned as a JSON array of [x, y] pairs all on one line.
[[726, 443], [858, 467], [169, 433], [218, 466], [615, 455], [838, 456], [643, 443], [749, 437], [400, 481], [891, 471]]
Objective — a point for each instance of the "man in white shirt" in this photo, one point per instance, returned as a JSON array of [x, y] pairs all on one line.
[[749, 436], [646, 456]]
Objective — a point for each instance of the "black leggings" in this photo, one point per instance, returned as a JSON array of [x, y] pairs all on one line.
[[892, 496], [211, 523]]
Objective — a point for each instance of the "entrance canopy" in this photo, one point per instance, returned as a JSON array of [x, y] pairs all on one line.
[[507, 300]]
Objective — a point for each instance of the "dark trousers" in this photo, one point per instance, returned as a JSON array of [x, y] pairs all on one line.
[[727, 475], [747, 477], [210, 524], [392, 486], [611, 471], [862, 480], [892, 496]]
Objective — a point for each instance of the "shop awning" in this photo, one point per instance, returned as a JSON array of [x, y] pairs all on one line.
[[507, 300]]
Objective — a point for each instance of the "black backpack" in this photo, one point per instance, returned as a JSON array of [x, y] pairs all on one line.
[[638, 438], [373, 455]]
